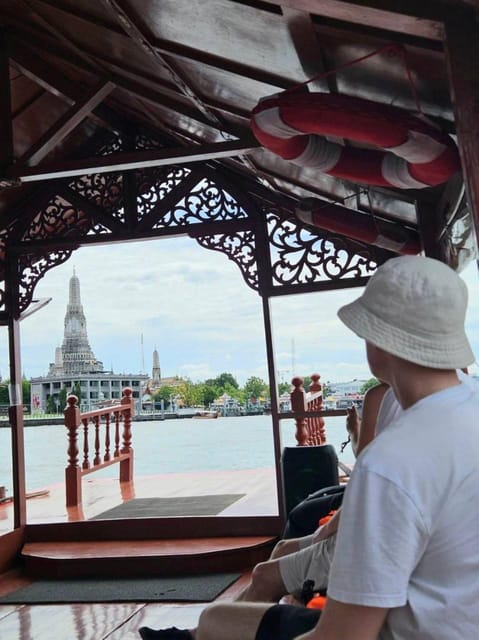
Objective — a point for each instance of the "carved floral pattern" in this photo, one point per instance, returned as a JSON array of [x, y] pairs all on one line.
[[238, 247], [103, 190], [32, 267], [154, 184], [300, 256], [58, 219], [205, 202]]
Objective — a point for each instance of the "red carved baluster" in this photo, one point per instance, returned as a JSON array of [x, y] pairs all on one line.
[[127, 401], [316, 387], [107, 455], [298, 403], [126, 465], [116, 452], [86, 451], [97, 458], [72, 471]]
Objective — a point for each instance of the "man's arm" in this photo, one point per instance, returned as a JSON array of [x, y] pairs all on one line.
[[341, 621]]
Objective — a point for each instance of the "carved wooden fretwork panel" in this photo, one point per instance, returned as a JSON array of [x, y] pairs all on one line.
[[300, 256], [238, 247], [206, 202], [31, 268], [154, 184], [103, 190], [58, 219]]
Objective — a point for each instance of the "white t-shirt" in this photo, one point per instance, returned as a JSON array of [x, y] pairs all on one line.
[[409, 534]]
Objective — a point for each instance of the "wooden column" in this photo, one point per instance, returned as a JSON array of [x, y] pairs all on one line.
[[15, 410], [461, 41], [263, 260], [6, 148]]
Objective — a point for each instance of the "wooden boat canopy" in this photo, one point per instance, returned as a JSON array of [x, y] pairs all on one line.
[[130, 119]]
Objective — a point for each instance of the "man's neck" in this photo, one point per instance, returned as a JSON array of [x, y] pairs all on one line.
[[412, 382]]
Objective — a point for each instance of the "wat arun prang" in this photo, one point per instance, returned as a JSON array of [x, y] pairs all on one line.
[[75, 364], [75, 355]]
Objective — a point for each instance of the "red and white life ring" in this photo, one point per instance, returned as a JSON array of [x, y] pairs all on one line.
[[362, 227], [410, 152]]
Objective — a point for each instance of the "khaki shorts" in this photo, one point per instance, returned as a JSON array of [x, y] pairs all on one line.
[[310, 563]]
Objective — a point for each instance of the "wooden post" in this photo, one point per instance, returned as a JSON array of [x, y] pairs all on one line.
[[73, 471], [126, 465], [298, 403], [317, 405], [461, 37]]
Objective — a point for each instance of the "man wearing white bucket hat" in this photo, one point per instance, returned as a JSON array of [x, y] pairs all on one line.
[[406, 563]]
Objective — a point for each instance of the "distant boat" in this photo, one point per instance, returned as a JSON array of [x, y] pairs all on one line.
[[206, 414]]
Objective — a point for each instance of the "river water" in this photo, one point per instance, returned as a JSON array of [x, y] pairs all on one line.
[[167, 446]]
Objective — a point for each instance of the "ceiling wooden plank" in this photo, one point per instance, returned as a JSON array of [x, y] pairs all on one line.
[[141, 39], [462, 36], [65, 125], [30, 63], [130, 161], [6, 148], [418, 19]]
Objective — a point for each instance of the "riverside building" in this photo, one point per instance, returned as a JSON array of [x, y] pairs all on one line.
[[75, 367]]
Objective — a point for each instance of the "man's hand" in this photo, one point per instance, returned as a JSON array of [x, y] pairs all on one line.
[[353, 423]]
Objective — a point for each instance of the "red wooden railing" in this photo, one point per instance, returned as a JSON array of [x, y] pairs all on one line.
[[99, 427], [309, 430]]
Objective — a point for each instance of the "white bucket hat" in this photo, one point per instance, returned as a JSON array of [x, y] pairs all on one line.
[[414, 307]]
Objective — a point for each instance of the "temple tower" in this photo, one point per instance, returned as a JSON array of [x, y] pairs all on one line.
[[156, 371], [76, 356]]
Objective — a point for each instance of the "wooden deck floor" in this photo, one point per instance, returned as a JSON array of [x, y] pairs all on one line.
[[114, 621], [258, 485], [122, 620]]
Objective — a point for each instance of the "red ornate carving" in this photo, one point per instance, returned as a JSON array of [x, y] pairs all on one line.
[[99, 417]]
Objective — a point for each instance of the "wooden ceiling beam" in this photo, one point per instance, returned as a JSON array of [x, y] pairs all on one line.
[[27, 59], [131, 161], [420, 19], [34, 67], [66, 124]]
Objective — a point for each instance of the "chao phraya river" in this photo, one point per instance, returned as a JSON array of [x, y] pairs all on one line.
[[167, 446]]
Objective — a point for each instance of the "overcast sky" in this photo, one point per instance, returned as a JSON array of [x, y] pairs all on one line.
[[194, 307]]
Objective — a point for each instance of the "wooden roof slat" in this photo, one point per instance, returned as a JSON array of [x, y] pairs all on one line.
[[134, 31], [421, 19], [30, 63], [66, 124]]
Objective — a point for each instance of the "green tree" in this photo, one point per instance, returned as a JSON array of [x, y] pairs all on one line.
[[372, 382], [224, 379], [284, 387], [209, 392], [165, 392], [4, 399], [189, 392], [51, 406], [255, 387], [26, 392], [62, 399], [76, 391]]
